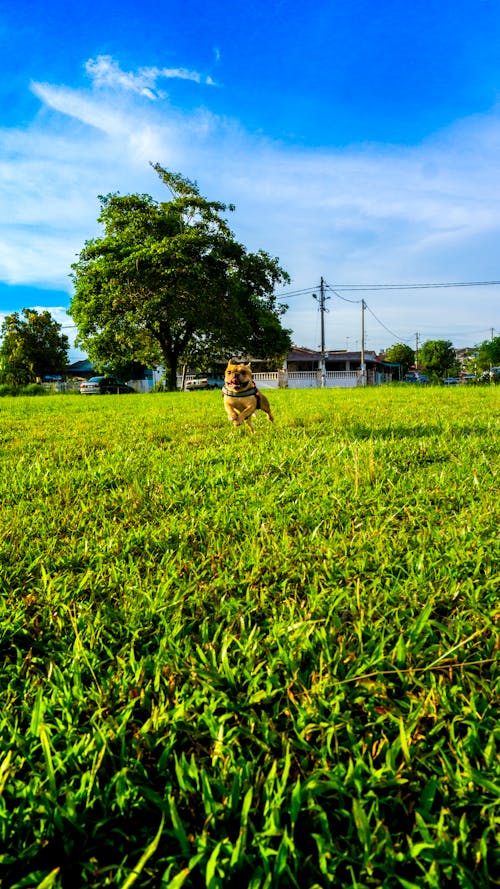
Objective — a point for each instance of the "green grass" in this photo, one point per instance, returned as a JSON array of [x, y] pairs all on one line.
[[250, 661]]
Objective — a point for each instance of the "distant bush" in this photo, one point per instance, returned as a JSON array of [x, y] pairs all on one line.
[[32, 389], [29, 389]]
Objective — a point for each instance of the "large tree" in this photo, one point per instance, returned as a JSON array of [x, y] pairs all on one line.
[[32, 347], [489, 354], [439, 359], [401, 354], [168, 282]]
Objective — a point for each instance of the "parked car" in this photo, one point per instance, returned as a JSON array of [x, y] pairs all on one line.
[[415, 377], [104, 386], [490, 376], [202, 382], [451, 381]]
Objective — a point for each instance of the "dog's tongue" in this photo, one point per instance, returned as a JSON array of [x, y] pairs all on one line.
[[235, 381]]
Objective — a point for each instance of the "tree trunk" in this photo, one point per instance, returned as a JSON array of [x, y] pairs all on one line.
[[170, 363], [171, 378]]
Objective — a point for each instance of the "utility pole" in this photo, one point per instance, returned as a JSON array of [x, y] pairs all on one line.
[[417, 340], [363, 363], [322, 311]]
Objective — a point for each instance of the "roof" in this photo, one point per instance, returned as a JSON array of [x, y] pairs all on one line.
[[81, 366], [298, 354]]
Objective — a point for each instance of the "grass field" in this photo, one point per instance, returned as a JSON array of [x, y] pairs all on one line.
[[236, 661]]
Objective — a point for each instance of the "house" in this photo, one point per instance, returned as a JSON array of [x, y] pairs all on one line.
[[81, 370], [303, 369]]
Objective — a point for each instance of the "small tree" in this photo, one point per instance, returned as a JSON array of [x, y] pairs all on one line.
[[439, 359], [169, 282], [401, 354], [32, 347]]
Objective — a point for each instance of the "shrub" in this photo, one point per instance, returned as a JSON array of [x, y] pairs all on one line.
[[32, 389]]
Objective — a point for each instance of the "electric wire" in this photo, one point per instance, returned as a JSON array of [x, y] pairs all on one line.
[[293, 293], [400, 339], [343, 298], [367, 287], [388, 287]]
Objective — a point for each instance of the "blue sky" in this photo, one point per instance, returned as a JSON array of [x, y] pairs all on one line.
[[358, 140]]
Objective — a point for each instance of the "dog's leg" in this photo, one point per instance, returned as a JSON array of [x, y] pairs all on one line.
[[237, 418], [266, 407], [245, 415]]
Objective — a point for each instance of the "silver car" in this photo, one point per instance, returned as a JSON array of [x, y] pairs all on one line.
[[104, 386]]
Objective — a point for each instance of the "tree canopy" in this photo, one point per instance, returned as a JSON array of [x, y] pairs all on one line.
[[489, 354], [439, 359], [167, 282], [401, 354], [32, 347]]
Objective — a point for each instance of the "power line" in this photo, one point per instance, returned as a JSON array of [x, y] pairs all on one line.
[[363, 302], [400, 339], [295, 293], [388, 287], [369, 287], [366, 287], [343, 298]]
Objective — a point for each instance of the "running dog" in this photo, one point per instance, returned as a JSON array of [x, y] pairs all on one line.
[[241, 396]]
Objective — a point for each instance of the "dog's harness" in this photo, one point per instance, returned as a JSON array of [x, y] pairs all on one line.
[[253, 391]]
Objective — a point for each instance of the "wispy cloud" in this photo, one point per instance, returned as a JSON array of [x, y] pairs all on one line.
[[359, 214], [104, 71]]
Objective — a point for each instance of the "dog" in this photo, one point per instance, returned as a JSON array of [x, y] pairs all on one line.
[[241, 396]]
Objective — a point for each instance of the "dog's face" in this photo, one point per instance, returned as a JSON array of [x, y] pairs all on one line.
[[238, 374]]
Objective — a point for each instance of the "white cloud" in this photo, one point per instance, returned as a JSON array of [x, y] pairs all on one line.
[[104, 71], [359, 214]]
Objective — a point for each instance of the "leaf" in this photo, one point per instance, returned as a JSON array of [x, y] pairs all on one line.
[[180, 878], [180, 833], [49, 881], [400, 653], [427, 796], [211, 865], [295, 801], [48, 759], [405, 747], [146, 855], [362, 824], [37, 713]]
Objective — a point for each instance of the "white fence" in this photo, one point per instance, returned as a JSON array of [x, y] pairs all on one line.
[[271, 380], [342, 379], [334, 379], [59, 386], [293, 379]]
